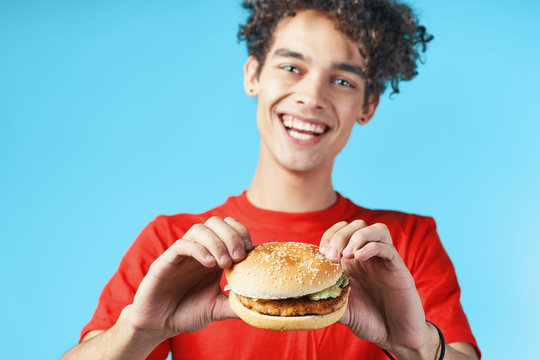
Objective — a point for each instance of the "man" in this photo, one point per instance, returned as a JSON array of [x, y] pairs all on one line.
[[317, 68]]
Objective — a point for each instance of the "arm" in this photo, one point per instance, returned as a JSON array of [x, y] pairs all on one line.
[[121, 341], [180, 293], [432, 349], [384, 305]]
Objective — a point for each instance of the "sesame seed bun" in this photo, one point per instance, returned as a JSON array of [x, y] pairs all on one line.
[[281, 270], [284, 270]]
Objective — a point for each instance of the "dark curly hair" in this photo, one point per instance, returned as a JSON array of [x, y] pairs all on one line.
[[388, 34]]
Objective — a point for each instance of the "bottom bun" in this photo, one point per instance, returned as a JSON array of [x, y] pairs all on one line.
[[284, 323]]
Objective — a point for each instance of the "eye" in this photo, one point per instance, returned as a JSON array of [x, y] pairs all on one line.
[[291, 68], [344, 82]]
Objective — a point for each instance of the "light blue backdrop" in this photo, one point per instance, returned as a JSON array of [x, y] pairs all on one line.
[[112, 112]]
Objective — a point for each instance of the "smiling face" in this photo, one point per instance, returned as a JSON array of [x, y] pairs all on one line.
[[310, 93]]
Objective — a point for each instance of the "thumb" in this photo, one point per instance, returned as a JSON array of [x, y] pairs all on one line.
[[344, 320], [222, 310]]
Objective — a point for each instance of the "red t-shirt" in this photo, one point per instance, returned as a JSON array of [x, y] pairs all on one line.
[[414, 237]]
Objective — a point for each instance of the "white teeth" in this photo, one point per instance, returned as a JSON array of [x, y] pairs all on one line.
[[300, 136], [297, 124]]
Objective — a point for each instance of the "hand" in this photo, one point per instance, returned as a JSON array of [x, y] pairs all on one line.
[[181, 291], [384, 305]]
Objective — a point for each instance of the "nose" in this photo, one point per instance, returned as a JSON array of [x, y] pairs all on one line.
[[310, 93]]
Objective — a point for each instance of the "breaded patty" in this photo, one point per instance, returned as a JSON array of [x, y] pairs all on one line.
[[295, 307]]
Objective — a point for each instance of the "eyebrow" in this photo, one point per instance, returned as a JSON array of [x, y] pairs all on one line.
[[352, 69], [357, 70], [290, 53]]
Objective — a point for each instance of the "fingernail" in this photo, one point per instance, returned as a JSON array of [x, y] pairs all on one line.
[[224, 259], [238, 253], [209, 259]]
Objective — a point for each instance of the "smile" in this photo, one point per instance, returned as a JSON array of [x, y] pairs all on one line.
[[300, 129]]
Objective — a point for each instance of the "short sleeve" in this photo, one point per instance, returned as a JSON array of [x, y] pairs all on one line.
[[120, 289], [437, 283]]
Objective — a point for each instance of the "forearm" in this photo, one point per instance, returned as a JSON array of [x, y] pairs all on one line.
[[121, 341], [450, 354], [431, 349]]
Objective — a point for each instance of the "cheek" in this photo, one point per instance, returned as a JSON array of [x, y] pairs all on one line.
[[273, 91], [274, 86], [269, 101], [348, 115]]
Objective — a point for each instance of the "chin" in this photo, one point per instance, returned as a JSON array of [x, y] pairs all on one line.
[[303, 163]]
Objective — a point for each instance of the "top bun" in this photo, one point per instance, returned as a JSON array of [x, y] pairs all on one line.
[[281, 270]]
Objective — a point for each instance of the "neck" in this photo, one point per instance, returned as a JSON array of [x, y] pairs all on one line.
[[279, 189]]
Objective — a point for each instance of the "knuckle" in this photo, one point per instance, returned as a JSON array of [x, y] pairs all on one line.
[[357, 243], [359, 236], [340, 238], [180, 242], [326, 236], [359, 222], [231, 219], [213, 219], [237, 226], [342, 223], [381, 226], [197, 228]]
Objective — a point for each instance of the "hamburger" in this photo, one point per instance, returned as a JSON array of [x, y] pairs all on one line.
[[287, 286]]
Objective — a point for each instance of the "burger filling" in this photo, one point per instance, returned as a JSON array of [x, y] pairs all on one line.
[[333, 291], [320, 303]]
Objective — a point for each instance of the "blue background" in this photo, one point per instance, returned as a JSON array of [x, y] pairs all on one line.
[[112, 112]]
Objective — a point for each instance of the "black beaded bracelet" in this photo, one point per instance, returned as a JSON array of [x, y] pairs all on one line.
[[443, 344]]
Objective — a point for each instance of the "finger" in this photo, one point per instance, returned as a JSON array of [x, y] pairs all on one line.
[[341, 238], [222, 310], [229, 236], [325, 240], [166, 266], [376, 232], [203, 235], [185, 247], [381, 250], [242, 231]]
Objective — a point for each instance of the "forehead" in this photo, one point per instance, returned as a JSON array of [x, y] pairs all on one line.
[[315, 35]]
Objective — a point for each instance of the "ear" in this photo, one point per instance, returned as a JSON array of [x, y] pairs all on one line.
[[251, 77], [368, 110]]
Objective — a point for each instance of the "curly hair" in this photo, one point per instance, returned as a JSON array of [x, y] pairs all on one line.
[[388, 34]]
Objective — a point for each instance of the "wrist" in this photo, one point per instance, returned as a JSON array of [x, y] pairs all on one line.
[[428, 348], [130, 327]]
